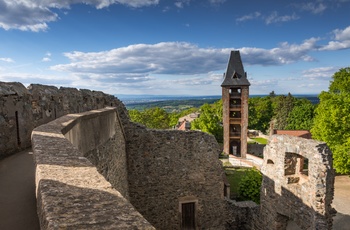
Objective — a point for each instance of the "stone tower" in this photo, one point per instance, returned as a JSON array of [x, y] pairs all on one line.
[[235, 94]]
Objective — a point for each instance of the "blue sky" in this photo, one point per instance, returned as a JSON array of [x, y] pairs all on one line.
[[178, 47]]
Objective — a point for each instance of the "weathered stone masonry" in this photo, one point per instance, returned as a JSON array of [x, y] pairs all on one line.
[[22, 109], [298, 183], [155, 171], [98, 170]]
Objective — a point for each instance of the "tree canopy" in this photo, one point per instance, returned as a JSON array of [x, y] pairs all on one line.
[[332, 118], [210, 120]]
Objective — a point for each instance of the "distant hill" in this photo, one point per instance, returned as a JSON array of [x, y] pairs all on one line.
[[179, 103]]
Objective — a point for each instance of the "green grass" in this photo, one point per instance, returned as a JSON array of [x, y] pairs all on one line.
[[234, 176], [260, 140]]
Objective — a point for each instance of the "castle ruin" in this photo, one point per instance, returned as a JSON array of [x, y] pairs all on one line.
[[95, 169]]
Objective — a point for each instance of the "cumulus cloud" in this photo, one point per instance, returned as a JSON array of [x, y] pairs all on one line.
[[33, 15], [323, 73], [341, 40], [160, 58], [136, 63], [285, 53]]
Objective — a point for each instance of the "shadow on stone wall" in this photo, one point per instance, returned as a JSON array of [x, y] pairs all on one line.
[[66, 206], [287, 211]]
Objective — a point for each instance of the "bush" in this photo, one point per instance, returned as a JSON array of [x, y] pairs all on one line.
[[249, 186]]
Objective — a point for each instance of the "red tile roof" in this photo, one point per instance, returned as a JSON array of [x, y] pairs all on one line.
[[297, 133]]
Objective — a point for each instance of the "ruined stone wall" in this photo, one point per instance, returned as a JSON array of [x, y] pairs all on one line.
[[298, 184], [22, 109], [71, 193], [256, 149], [15, 118], [170, 167]]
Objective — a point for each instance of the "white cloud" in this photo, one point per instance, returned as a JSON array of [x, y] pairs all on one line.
[[285, 53], [33, 15], [323, 73], [46, 58], [275, 18], [249, 17], [313, 7], [137, 63], [217, 2], [9, 60], [161, 58], [181, 3], [341, 40]]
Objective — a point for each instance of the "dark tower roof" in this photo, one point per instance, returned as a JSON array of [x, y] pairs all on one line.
[[235, 75]]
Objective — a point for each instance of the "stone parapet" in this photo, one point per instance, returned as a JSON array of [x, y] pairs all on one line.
[[71, 193], [22, 109]]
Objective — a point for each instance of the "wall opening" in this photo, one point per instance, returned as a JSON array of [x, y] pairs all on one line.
[[17, 129], [295, 167], [188, 214]]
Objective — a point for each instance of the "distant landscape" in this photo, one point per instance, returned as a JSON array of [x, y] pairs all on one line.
[[178, 103]]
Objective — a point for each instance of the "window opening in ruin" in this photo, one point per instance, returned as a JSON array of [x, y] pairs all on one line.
[[269, 161], [55, 113], [17, 129], [188, 216], [295, 166]]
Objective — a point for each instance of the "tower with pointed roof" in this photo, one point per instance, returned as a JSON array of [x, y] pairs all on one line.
[[235, 94]]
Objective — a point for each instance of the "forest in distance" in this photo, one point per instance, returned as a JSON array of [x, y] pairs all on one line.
[[180, 103]]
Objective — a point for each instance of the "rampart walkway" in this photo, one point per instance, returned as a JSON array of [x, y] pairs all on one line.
[[17, 192], [18, 202]]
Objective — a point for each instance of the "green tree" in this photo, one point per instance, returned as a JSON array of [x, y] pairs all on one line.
[[260, 113], [155, 118], [210, 120], [282, 110], [331, 123], [302, 115], [341, 81]]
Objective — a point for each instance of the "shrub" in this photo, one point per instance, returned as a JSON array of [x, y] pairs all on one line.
[[249, 186]]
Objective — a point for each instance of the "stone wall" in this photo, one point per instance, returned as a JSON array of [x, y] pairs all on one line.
[[168, 168], [71, 193], [256, 149], [298, 184], [22, 109], [157, 171]]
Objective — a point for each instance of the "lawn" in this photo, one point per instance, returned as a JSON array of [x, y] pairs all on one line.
[[260, 140], [234, 176]]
